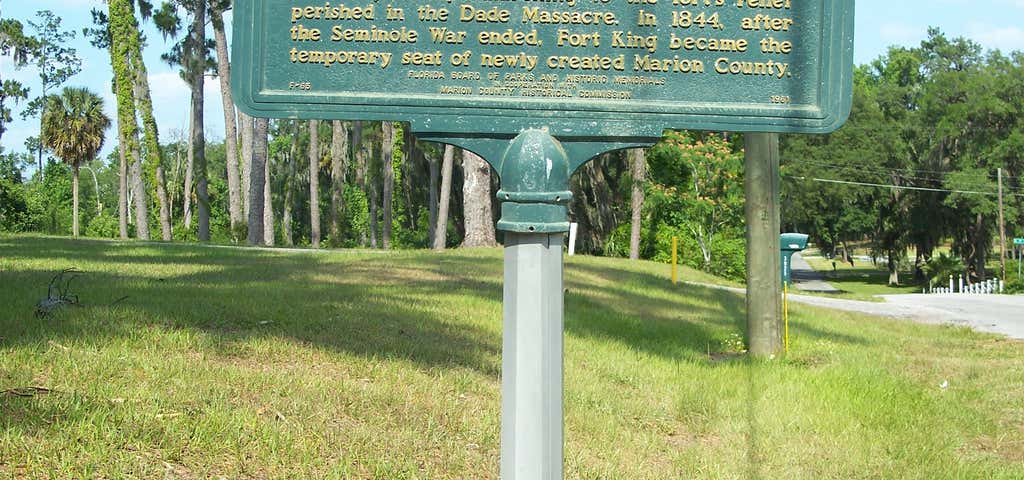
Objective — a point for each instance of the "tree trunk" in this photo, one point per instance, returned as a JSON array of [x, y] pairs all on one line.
[[152, 139], [411, 158], [432, 199], [139, 194], [591, 204], [42, 115], [388, 179], [339, 157], [186, 210], [314, 183], [120, 58], [441, 229], [247, 159], [199, 136], [476, 190], [373, 214], [166, 231], [74, 200], [981, 242], [637, 202], [230, 133], [894, 270], [122, 186], [268, 204], [96, 185], [257, 178], [289, 189], [361, 170]]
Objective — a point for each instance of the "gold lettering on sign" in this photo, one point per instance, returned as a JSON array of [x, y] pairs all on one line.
[[329, 58], [589, 56], [726, 67], [373, 35], [776, 4], [443, 35], [327, 12]]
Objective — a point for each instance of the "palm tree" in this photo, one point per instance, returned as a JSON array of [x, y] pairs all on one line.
[[73, 127]]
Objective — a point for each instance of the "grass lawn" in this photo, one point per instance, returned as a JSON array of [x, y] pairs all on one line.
[[251, 364], [863, 281]]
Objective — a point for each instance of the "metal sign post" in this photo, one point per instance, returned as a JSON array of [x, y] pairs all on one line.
[[538, 89], [535, 194], [531, 357]]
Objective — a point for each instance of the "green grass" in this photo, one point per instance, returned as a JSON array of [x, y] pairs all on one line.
[[863, 281], [253, 364]]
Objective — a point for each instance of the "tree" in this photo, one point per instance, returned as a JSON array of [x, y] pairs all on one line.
[[193, 55], [101, 38], [258, 180], [639, 164], [697, 187], [14, 209], [20, 49], [441, 229], [339, 165], [387, 171], [314, 183], [197, 55], [246, 128], [261, 155], [73, 127], [594, 204], [55, 61], [123, 34], [476, 190], [217, 8]]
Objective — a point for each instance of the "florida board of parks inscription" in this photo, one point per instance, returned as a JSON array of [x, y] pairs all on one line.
[[580, 67]]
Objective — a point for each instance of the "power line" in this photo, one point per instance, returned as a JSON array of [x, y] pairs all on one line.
[[900, 187], [916, 171], [977, 182]]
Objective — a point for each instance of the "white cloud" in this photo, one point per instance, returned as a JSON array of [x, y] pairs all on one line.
[[991, 36], [900, 33]]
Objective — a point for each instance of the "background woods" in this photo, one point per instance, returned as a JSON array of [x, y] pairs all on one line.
[[912, 174]]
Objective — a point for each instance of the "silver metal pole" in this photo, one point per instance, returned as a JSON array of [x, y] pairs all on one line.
[[531, 375]]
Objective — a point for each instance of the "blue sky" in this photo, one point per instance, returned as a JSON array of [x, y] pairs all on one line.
[[880, 23]]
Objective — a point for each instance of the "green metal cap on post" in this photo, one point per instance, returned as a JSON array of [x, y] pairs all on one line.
[[535, 185]]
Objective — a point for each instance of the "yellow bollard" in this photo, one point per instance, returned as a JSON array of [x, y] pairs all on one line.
[[675, 258], [785, 314]]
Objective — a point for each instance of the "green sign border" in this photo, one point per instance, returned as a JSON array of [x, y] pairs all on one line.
[[440, 115]]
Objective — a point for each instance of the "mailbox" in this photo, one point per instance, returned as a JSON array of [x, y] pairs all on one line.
[[789, 244]]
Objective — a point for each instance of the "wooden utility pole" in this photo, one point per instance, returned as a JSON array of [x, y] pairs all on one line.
[[1002, 228], [764, 305]]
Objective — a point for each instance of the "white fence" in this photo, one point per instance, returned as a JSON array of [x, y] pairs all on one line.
[[988, 287]]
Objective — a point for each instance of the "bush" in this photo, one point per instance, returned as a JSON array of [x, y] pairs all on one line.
[[103, 226], [13, 207], [1014, 287]]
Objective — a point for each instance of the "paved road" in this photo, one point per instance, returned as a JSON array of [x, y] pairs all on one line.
[[988, 313], [808, 279], [1002, 314]]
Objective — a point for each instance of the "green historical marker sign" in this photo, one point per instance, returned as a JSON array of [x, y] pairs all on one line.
[[582, 68], [568, 79]]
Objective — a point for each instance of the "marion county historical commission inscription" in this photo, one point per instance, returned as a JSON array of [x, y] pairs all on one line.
[[486, 66]]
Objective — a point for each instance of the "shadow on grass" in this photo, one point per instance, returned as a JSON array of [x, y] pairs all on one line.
[[372, 306], [429, 309], [412, 306]]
